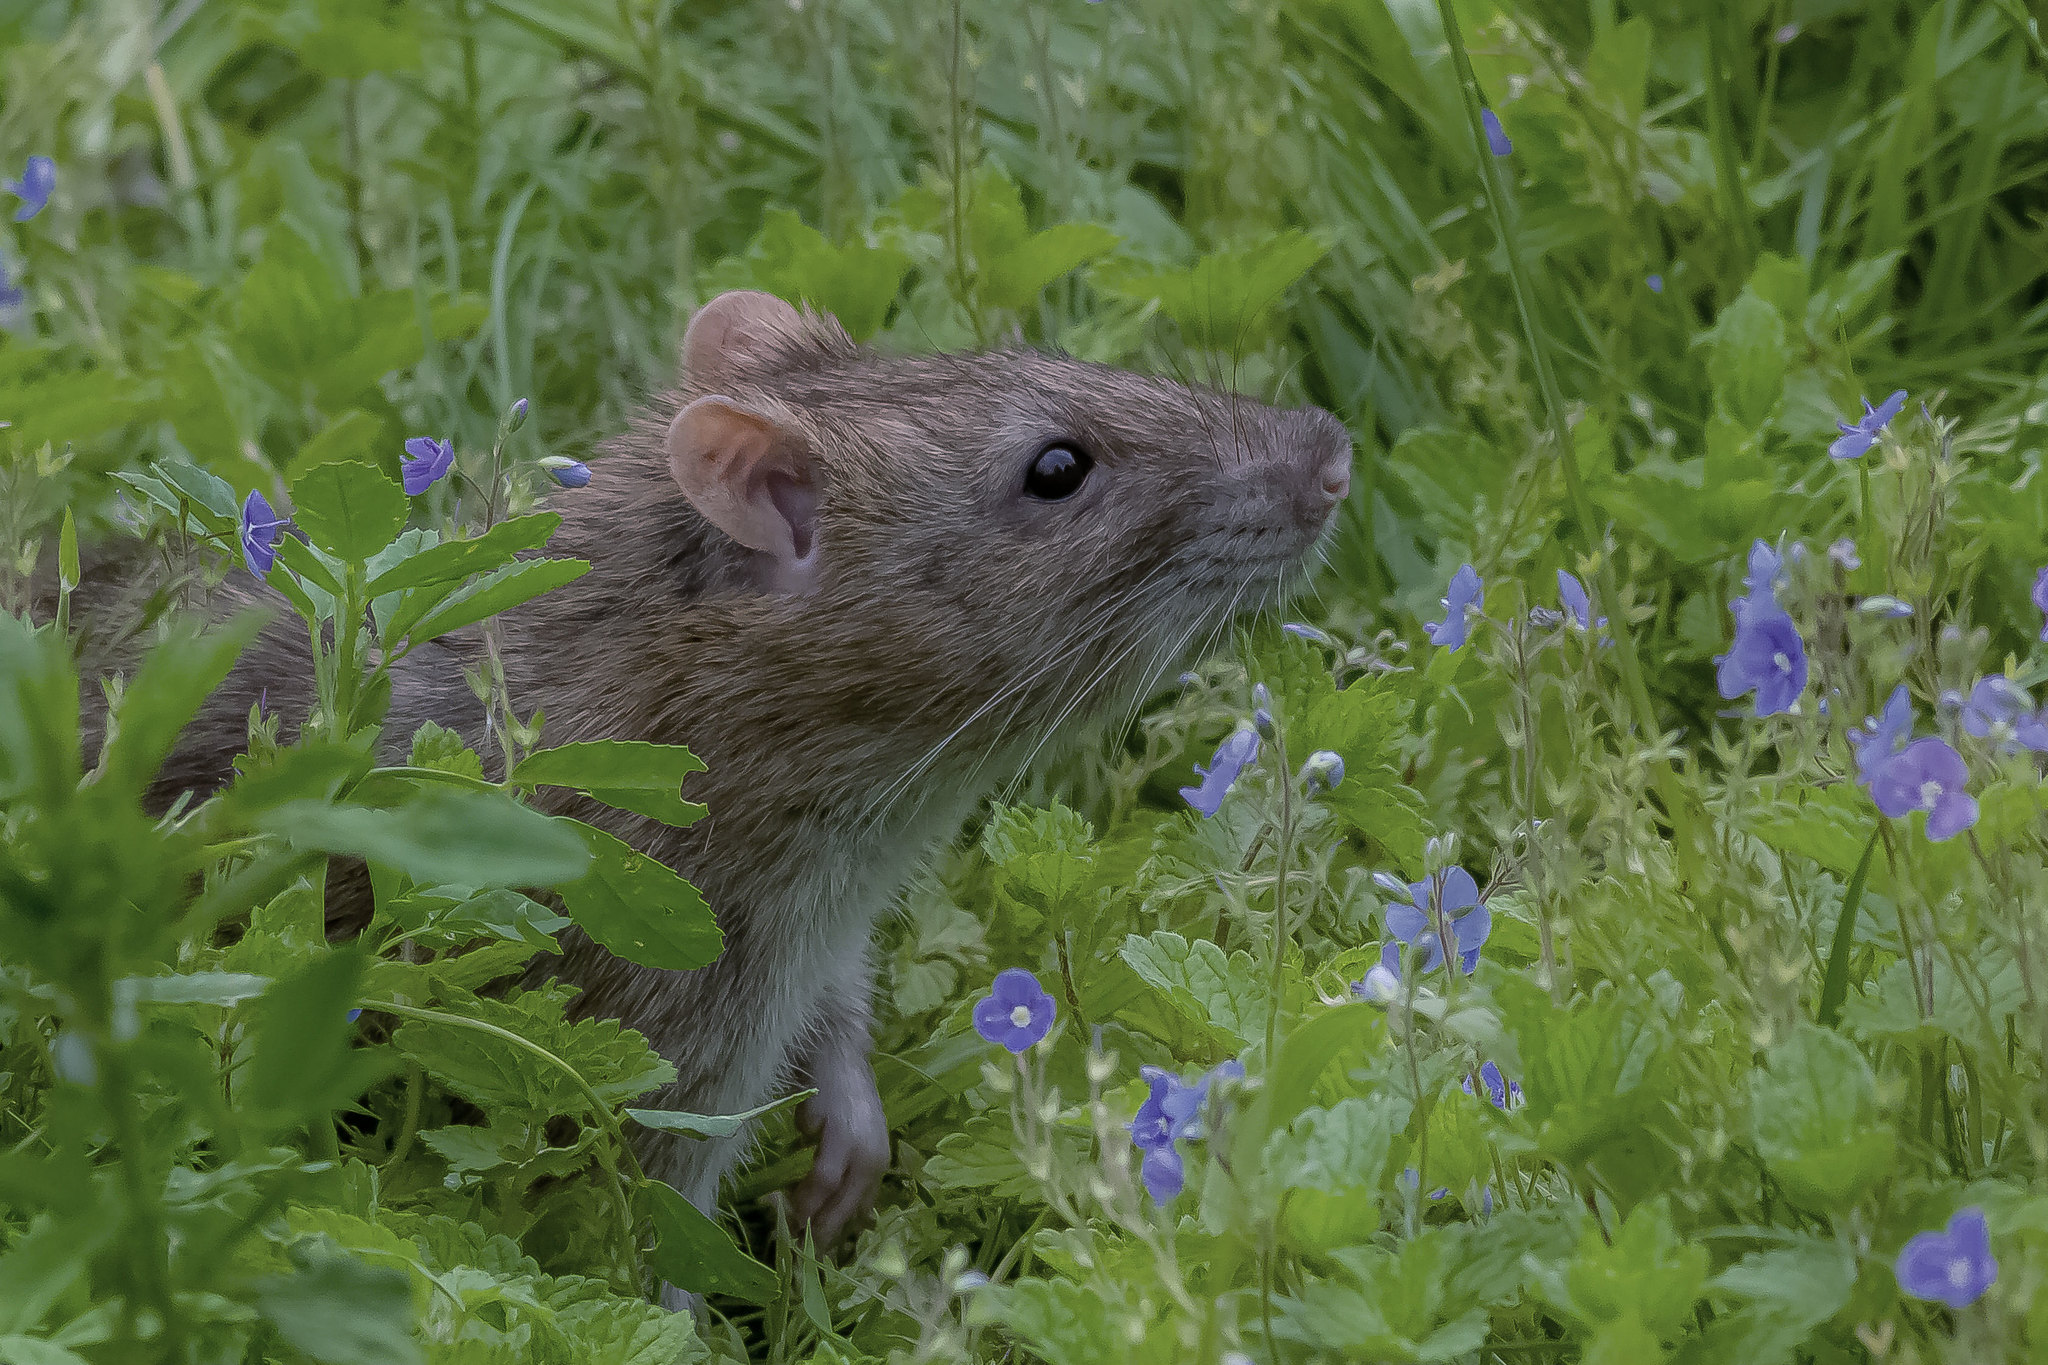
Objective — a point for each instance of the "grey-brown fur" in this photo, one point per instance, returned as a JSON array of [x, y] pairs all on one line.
[[954, 626]]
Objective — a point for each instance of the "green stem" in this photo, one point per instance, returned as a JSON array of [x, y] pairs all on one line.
[[1280, 860], [147, 1246], [1680, 809]]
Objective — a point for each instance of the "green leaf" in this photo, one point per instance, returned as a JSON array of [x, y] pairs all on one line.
[[473, 838], [1747, 358], [1220, 300], [49, 1258], [1648, 1273], [1044, 857], [340, 1311], [495, 592], [712, 1125], [855, 283], [352, 436], [695, 1254], [1816, 1122], [457, 559], [1225, 996], [192, 988], [632, 775], [639, 909], [1593, 1072], [302, 1060], [499, 1076], [348, 508], [1330, 1164], [1014, 278], [442, 750]]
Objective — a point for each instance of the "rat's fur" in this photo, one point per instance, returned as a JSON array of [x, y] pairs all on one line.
[[953, 627]]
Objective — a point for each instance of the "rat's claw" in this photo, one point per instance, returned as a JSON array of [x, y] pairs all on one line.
[[853, 1151]]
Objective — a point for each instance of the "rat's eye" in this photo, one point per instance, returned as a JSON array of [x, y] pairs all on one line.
[[1056, 473]]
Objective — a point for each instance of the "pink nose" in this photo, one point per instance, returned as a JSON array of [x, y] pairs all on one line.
[[1336, 480]]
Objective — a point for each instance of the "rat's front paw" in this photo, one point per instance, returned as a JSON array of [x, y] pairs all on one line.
[[845, 1118]]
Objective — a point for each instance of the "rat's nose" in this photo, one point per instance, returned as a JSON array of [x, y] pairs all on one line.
[[1326, 460]]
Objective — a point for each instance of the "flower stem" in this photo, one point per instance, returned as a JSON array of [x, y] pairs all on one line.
[[1284, 775], [1680, 808]]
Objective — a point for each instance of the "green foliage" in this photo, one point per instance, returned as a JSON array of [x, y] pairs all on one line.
[[1760, 1035]]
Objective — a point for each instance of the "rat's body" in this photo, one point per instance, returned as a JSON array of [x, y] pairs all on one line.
[[833, 575]]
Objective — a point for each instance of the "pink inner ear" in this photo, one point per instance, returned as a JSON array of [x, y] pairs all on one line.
[[797, 500]]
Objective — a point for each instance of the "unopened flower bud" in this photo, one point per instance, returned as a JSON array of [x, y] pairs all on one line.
[[516, 418], [565, 471], [1262, 721], [1323, 771]]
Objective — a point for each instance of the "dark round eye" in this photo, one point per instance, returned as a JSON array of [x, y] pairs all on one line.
[[1056, 473]]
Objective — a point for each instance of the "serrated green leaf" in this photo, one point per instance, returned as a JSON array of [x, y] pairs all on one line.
[[639, 909], [855, 283], [1815, 1119], [1221, 994], [495, 1075], [1331, 1164], [1220, 300], [302, 1059], [348, 508], [1647, 1272], [1014, 278]]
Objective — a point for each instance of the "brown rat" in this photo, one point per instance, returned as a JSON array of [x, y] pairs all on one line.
[[866, 590]]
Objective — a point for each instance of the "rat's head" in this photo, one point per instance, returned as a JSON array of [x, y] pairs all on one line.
[[1011, 536]]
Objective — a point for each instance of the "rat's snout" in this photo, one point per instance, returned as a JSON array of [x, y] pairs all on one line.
[[1323, 452]]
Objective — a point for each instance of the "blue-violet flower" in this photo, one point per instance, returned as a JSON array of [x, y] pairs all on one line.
[[1434, 916], [1232, 755], [1496, 136], [1171, 1113], [1466, 593], [1927, 775], [1859, 436], [1954, 1266], [1016, 1012], [38, 179], [1767, 657], [261, 528], [429, 462]]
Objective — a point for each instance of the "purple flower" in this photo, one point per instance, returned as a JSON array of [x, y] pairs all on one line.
[[1954, 1266], [38, 179], [1016, 1012], [1433, 915], [1577, 605], [354, 1015], [1843, 552], [1382, 982], [1656, 283], [1767, 658], [11, 297], [1502, 1092], [1859, 436], [2000, 710], [2041, 599], [1496, 136], [1411, 1180], [1927, 775], [261, 528], [1171, 1113], [1239, 749], [1881, 738], [1765, 572], [1308, 633], [429, 463], [1464, 597], [516, 418], [569, 473]]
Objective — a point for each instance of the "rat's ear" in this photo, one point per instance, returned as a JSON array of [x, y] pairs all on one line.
[[751, 479], [731, 335]]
